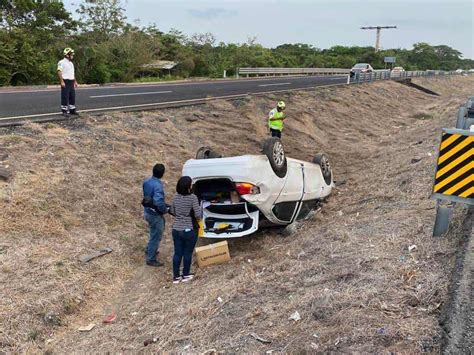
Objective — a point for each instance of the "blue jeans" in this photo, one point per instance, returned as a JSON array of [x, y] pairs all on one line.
[[184, 243], [157, 226]]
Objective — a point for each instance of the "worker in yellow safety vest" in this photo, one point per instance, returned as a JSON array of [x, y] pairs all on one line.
[[276, 118]]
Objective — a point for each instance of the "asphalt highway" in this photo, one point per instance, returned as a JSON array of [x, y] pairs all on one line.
[[25, 104]]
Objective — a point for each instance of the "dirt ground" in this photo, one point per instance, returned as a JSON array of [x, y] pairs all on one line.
[[347, 271]]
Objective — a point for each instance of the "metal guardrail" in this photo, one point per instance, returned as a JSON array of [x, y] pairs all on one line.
[[384, 74], [359, 78], [291, 71], [419, 73], [465, 116], [396, 75]]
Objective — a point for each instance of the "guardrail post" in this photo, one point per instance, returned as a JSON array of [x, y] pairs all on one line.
[[442, 219], [461, 117]]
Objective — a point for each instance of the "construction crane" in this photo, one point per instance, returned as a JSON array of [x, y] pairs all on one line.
[[378, 28]]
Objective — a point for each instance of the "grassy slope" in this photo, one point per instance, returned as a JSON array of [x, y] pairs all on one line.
[[76, 188]]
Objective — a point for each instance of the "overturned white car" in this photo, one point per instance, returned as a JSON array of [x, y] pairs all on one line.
[[240, 194]]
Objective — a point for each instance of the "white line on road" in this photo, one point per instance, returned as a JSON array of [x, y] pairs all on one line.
[[132, 94], [277, 84]]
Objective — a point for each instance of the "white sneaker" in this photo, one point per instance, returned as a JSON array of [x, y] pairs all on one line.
[[188, 278], [177, 280]]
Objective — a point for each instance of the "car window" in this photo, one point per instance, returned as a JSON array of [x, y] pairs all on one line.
[[284, 210], [306, 208]]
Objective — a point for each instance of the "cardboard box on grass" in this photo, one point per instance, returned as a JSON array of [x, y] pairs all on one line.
[[216, 253]]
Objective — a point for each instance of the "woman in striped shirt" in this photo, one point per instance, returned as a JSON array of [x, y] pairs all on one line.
[[185, 207]]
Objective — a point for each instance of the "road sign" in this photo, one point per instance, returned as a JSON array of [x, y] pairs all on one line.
[[454, 179], [389, 59]]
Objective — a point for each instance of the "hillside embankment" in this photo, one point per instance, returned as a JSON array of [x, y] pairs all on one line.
[[76, 188]]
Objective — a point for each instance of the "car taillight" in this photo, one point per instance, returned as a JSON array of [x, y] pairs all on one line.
[[245, 188]]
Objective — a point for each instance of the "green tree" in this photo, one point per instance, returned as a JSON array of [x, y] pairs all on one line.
[[448, 57], [29, 31], [102, 18], [423, 56]]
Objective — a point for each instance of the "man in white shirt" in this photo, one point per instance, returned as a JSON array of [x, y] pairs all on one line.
[[68, 83]]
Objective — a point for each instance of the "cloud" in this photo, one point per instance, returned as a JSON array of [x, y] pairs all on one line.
[[212, 13]]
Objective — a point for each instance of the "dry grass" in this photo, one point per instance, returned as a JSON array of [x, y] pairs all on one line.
[[347, 270]]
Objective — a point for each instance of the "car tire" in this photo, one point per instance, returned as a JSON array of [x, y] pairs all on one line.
[[207, 153], [323, 161], [273, 149]]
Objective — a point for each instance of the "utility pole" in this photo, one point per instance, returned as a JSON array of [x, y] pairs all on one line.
[[378, 28]]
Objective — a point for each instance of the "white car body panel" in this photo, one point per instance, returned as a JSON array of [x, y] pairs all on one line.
[[253, 215], [315, 187], [303, 182], [293, 188]]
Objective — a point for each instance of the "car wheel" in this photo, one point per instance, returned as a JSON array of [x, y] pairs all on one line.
[[322, 160], [273, 149], [207, 153]]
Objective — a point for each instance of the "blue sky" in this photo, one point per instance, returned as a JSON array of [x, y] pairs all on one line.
[[319, 23]]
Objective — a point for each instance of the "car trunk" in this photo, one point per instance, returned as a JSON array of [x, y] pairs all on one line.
[[225, 213]]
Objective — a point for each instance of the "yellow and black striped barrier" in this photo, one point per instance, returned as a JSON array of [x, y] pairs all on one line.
[[454, 179]]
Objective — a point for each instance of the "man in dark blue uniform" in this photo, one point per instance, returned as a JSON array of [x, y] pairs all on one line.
[[153, 189]]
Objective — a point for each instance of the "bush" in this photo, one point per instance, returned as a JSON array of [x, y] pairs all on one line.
[[98, 74], [185, 67], [116, 74], [4, 77]]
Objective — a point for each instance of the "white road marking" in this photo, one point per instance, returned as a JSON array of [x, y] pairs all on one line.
[[132, 94], [189, 101], [277, 84]]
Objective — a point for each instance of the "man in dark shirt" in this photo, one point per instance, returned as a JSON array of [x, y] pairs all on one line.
[[153, 188]]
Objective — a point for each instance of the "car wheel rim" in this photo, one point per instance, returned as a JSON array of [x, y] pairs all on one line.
[[325, 166], [278, 154]]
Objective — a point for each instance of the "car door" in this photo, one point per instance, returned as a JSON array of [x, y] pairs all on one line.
[[314, 189], [287, 203]]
